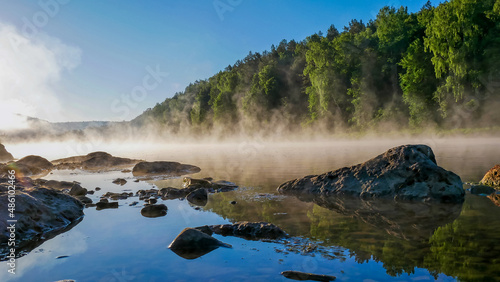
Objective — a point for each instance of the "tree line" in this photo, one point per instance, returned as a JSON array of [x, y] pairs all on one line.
[[438, 67]]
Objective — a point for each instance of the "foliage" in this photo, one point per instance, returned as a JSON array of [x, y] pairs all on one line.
[[438, 66]]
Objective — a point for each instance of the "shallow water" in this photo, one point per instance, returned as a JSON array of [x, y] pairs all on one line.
[[344, 239]]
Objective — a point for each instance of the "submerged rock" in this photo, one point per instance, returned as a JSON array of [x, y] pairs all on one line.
[[192, 243], [163, 168], [40, 213], [198, 197], [297, 275], [94, 161], [492, 177], [170, 193], [250, 230], [406, 172], [154, 210], [117, 196], [4, 155]]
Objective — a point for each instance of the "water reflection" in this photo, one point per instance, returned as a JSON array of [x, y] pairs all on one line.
[[459, 240]]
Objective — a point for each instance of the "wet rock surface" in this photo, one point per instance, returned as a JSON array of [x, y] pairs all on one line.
[[192, 243], [94, 161], [250, 230], [163, 168], [492, 177], [406, 172], [301, 276], [154, 210], [40, 212], [198, 197], [481, 189]]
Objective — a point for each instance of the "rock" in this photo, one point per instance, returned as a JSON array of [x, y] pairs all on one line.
[[163, 168], [94, 161], [120, 181], [117, 196], [4, 155], [297, 275], [41, 214], [77, 190], [105, 205], [250, 230], [36, 161], [154, 210], [29, 166], [198, 197], [173, 193], [209, 184], [97, 188], [482, 189], [134, 203], [233, 202], [492, 177], [151, 201], [192, 243], [146, 194], [406, 172], [54, 184], [85, 199]]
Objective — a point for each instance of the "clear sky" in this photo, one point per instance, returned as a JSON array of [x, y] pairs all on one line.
[[72, 60]]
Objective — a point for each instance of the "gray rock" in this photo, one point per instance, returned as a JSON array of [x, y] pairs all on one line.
[[106, 205], [163, 168], [77, 190], [120, 181], [154, 210], [40, 213], [94, 161], [192, 243], [198, 197], [406, 172], [250, 230]]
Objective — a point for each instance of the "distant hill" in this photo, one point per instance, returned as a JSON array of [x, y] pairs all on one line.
[[399, 70]]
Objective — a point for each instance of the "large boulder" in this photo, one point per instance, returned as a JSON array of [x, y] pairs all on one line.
[[192, 243], [4, 155], [36, 161], [163, 168], [492, 177], [28, 166], [408, 172], [41, 213], [250, 230], [94, 161]]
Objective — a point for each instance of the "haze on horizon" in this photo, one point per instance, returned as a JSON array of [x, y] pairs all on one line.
[[73, 61]]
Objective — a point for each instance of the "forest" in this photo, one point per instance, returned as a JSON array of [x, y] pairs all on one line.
[[436, 68]]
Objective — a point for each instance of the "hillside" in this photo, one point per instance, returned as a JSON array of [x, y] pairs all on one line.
[[435, 68]]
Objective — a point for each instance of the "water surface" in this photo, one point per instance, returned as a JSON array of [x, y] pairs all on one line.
[[349, 239]]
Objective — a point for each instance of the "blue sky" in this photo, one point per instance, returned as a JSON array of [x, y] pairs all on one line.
[[98, 52]]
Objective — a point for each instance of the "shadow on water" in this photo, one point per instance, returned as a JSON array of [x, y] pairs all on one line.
[[459, 240]]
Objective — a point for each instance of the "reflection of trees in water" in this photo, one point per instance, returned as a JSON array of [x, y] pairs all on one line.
[[454, 240], [468, 248]]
